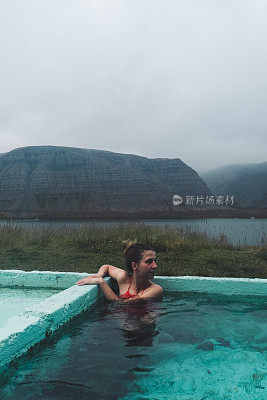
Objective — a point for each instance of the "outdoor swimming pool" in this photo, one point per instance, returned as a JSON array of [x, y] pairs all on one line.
[[190, 346], [16, 300]]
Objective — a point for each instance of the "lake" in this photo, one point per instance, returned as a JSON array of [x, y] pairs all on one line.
[[238, 231]]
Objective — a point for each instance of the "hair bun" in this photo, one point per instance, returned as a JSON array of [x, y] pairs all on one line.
[[127, 244]]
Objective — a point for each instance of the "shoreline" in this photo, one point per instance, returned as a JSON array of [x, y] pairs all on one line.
[[181, 214]]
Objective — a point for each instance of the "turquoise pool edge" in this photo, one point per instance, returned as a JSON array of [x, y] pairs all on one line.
[[33, 325], [226, 286]]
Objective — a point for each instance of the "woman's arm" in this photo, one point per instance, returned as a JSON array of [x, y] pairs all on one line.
[[107, 291], [105, 270], [96, 280], [153, 293]]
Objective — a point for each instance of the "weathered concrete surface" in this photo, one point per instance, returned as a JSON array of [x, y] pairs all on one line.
[[20, 333], [63, 280], [48, 279], [227, 286]]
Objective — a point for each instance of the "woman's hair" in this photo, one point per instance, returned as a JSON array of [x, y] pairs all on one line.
[[133, 253]]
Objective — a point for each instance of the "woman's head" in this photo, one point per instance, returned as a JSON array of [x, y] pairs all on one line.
[[134, 252]]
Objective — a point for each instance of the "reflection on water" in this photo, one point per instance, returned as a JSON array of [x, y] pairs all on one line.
[[138, 322]]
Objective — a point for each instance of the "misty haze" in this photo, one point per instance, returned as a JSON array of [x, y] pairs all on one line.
[[133, 199]]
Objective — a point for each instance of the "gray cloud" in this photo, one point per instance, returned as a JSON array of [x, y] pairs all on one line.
[[151, 77]]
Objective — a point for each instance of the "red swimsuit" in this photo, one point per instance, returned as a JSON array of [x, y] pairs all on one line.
[[128, 295]]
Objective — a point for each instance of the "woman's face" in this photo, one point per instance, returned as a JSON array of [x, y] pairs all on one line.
[[147, 264]]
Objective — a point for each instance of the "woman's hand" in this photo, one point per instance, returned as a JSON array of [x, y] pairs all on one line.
[[90, 280], [98, 280]]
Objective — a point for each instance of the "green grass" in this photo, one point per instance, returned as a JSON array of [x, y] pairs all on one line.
[[85, 249]]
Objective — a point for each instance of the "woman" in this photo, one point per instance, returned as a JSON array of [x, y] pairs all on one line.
[[134, 283]]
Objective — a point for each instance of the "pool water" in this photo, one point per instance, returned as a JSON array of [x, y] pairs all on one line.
[[187, 347], [16, 300]]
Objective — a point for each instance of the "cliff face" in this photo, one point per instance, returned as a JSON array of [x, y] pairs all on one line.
[[51, 181], [247, 182]]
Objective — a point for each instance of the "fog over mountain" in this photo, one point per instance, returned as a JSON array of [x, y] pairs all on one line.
[[154, 78], [247, 182]]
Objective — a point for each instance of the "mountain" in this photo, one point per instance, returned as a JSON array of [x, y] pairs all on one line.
[[68, 182], [247, 182]]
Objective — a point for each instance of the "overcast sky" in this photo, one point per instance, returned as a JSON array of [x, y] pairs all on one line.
[[157, 78]]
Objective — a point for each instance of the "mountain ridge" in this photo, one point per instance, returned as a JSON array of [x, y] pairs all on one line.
[[69, 182]]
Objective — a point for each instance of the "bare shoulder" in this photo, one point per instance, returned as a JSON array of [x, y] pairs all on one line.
[[153, 291], [155, 286]]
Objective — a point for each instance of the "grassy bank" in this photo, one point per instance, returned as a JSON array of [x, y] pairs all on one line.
[[85, 249]]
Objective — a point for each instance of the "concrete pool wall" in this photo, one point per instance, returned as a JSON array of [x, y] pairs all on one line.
[[34, 324], [226, 286]]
